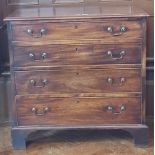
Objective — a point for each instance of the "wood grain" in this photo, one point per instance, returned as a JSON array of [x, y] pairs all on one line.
[[57, 55], [97, 91], [68, 30], [77, 111], [84, 11], [78, 81]]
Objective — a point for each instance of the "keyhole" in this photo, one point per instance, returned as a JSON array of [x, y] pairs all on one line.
[[76, 49], [77, 101], [76, 27]]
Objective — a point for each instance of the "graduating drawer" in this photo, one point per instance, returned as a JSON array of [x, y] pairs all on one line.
[[100, 31], [78, 81], [43, 110], [76, 55]]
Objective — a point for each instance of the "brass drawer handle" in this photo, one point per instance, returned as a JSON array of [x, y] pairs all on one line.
[[121, 31], [41, 32], [39, 84], [42, 56], [110, 80], [38, 112], [113, 109], [121, 55]]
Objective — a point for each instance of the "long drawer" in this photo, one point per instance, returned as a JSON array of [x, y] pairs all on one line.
[[76, 55], [107, 31], [78, 81], [42, 110]]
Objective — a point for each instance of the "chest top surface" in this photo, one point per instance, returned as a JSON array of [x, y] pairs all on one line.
[[77, 11]]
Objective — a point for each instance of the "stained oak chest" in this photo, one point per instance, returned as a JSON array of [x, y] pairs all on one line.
[[77, 67]]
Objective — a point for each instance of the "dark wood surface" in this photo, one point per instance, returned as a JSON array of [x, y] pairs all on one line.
[[78, 81], [36, 63], [96, 27], [147, 5], [77, 111], [76, 55], [68, 32], [94, 10]]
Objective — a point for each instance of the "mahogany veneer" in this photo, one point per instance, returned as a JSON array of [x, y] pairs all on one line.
[[78, 70]]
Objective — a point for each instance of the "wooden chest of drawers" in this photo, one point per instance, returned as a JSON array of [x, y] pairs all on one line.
[[77, 71]]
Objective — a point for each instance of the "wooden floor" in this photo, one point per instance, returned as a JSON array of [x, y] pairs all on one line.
[[78, 143]]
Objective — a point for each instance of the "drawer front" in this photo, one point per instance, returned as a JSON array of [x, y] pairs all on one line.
[[76, 55], [78, 81], [107, 31], [77, 111]]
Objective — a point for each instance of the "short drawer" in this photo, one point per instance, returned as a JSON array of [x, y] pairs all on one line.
[[42, 110], [104, 31], [76, 55], [78, 81]]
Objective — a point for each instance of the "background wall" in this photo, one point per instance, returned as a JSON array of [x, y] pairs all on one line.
[[4, 60], [4, 81], [148, 5]]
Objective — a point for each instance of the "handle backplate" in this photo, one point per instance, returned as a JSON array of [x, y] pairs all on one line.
[[39, 84], [33, 57], [39, 112], [122, 30], [39, 34], [111, 81], [112, 109], [120, 55]]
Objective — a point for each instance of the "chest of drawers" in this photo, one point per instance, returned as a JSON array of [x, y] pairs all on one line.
[[77, 71]]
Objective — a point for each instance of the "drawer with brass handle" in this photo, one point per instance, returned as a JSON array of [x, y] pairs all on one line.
[[42, 110], [107, 31], [76, 55], [78, 81]]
